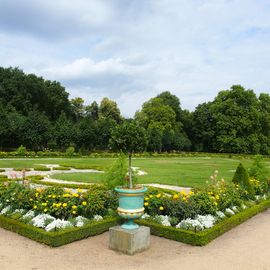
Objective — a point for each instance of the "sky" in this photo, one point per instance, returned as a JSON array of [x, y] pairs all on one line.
[[132, 50]]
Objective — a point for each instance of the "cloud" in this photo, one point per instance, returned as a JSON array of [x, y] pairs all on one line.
[[132, 50]]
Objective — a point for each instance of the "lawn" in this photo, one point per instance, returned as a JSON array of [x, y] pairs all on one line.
[[182, 171]]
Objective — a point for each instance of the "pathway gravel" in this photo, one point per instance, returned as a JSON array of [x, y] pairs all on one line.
[[246, 247]]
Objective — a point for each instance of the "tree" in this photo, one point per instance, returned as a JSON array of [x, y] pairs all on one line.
[[93, 110], [77, 107], [108, 109], [64, 132], [35, 131], [173, 102], [129, 138]]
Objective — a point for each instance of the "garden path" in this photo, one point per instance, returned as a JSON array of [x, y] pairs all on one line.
[[243, 248]]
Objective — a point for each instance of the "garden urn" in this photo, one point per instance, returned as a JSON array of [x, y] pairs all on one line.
[[131, 203]]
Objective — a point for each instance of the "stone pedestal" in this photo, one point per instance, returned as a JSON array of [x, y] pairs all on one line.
[[129, 241]]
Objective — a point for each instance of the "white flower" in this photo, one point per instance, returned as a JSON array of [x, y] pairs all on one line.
[[97, 217], [58, 224], [29, 214], [5, 210], [235, 209], [21, 211], [243, 206], [80, 221], [207, 221], [198, 224], [229, 212], [190, 224], [220, 214], [163, 220], [145, 216], [42, 220]]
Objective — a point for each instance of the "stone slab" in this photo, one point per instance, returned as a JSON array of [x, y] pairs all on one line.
[[129, 241]]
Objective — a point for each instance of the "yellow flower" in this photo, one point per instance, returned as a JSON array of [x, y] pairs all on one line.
[[161, 208], [75, 195], [64, 204], [66, 195], [37, 194], [146, 203], [150, 196], [79, 190], [191, 193], [35, 207], [74, 212], [217, 197], [84, 203], [158, 195], [45, 210], [49, 196], [74, 206], [183, 193], [215, 203], [31, 199], [175, 196], [146, 198], [54, 196], [44, 204]]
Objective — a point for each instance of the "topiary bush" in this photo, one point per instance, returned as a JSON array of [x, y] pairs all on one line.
[[241, 178]]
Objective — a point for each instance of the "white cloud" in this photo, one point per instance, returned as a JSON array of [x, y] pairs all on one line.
[[132, 50]]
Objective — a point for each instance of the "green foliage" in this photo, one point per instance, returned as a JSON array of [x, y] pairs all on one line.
[[259, 170], [21, 150], [129, 138], [241, 178], [70, 151], [204, 237], [203, 203], [56, 239], [116, 175]]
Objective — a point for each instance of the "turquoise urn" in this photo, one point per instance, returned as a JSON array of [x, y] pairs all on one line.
[[130, 205]]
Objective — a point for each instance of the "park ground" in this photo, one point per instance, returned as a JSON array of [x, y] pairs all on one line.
[[245, 247], [181, 171]]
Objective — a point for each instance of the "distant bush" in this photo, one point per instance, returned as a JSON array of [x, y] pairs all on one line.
[[241, 178], [70, 151]]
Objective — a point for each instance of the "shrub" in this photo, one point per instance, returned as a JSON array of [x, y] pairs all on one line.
[[230, 197], [41, 168], [70, 151], [21, 151], [259, 170], [241, 177], [116, 175], [204, 203]]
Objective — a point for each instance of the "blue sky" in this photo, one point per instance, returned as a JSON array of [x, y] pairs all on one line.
[[131, 50]]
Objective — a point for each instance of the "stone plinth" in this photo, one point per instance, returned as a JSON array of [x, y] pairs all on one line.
[[129, 241]]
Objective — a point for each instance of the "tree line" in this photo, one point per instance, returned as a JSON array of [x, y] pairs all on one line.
[[38, 114]]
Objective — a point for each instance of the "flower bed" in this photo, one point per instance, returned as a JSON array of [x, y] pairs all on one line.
[[57, 238], [203, 237]]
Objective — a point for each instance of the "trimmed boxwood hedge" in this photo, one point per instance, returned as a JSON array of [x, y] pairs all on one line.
[[204, 237], [58, 238]]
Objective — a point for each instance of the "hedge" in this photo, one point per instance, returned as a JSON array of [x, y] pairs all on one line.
[[58, 154], [204, 237], [58, 238]]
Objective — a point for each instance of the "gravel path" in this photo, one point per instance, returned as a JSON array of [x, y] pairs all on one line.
[[243, 248]]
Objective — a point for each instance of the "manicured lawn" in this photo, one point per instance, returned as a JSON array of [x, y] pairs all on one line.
[[182, 171]]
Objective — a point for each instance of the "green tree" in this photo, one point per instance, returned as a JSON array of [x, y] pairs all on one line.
[[129, 138], [108, 109], [77, 105]]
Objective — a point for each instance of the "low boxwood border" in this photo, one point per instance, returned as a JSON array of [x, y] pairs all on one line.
[[58, 238], [204, 237]]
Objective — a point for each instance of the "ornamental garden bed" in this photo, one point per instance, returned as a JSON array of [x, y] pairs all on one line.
[[201, 238], [56, 216]]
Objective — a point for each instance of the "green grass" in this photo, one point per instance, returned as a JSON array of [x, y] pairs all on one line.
[[182, 171]]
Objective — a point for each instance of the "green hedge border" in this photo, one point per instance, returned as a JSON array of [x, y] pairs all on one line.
[[56, 239], [204, 237]]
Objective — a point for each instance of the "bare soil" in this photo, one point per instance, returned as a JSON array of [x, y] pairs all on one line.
[[243, 248]]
